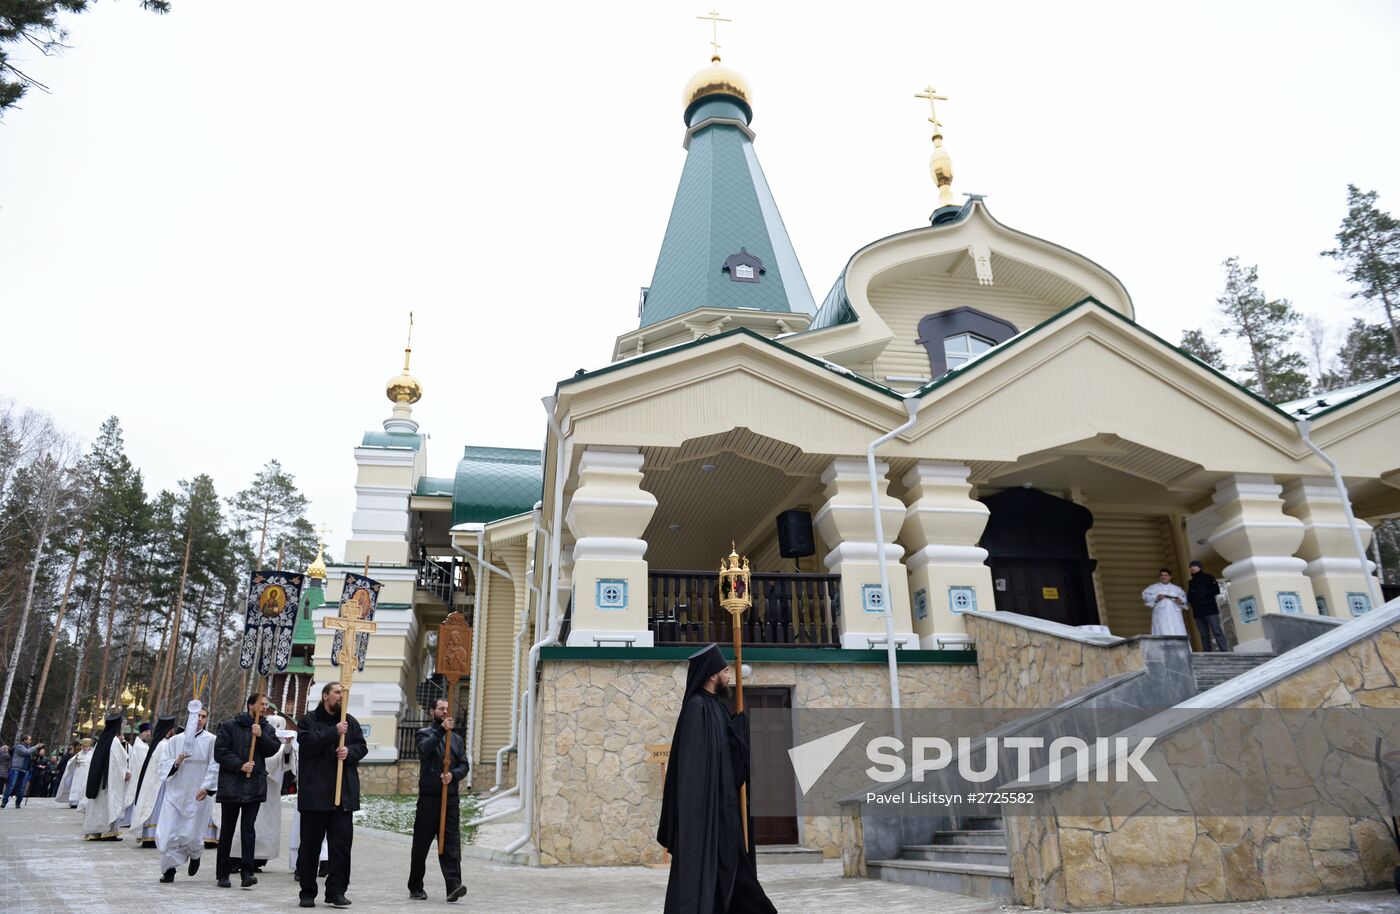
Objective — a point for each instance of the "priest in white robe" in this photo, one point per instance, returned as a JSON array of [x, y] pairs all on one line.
[[1167, 602], [150, 785], [182, 821], [106, 784], [135, 759], [267, 838], [74, 783]]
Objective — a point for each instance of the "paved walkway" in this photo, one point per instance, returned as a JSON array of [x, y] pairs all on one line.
[[46, 866]]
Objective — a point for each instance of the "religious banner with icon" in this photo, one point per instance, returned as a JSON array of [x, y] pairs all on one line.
[[270, 620], [358, 599]]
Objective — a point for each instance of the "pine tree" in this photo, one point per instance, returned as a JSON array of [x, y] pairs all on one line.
[[1368, 246], [1368, 354], [1266, 327], [1196, 343], [272, 514], [35, 22]]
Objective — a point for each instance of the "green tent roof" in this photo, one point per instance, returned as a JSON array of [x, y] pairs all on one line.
[[495, 482], [723, 206], [311, 599]]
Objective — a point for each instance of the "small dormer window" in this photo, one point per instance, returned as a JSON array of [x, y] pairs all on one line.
[[963, 347], [743, 267]]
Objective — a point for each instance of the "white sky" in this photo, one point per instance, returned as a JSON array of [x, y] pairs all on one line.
[[216, 224]]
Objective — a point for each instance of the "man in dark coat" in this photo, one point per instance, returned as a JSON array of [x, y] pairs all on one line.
[[432, 781], [242, 783], [319, 755], [701, 824], [1201, 592]]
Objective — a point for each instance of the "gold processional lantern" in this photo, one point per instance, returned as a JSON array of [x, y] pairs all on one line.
[[736, 595]]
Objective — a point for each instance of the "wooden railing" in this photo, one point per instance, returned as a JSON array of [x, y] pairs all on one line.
[[789, 610]]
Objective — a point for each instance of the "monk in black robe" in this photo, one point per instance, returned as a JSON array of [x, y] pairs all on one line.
[[711, 872]]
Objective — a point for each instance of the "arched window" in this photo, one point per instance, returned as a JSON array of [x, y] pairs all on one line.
[[961, 348]]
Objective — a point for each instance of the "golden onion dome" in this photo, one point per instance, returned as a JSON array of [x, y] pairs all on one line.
[[717, 79], [317, 568], [404, 387]]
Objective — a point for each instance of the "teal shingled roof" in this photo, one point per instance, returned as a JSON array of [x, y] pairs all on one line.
[[723, 204], [435, 485], [311, 599], [495, 482], [391, 439]]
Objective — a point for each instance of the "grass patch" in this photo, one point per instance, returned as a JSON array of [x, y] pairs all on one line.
[[395, 814]]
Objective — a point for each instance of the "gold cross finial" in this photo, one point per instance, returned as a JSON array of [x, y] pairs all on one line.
[[408, 347], [715, 20], [321, 533], [934, 98]]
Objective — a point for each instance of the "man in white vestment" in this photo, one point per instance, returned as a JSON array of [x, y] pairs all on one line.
[[183, 819], [140, 748], [151, 791], [1167, 602], [267, 836], [76, 776], [106, 784]]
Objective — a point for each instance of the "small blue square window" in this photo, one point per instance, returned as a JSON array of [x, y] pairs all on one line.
[[1359, 603], [1322, 606], [1249, 610], [611, 593], [920, 605], [872, 599], [962, 599], [1289, 602]]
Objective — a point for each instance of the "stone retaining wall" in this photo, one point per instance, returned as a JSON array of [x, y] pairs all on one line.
[[1022, 668], [599, 798], [1092, 862]]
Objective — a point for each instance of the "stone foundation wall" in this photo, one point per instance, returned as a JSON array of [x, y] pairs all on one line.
[[388, 778], [599, 797], [1091, 862], [1021, 668]]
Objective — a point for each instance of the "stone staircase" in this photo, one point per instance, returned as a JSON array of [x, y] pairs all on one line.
[[1216, 668], [972, 860]]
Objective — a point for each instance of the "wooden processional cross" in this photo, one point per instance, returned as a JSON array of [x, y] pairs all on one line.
[[454, 660], [351, 620]]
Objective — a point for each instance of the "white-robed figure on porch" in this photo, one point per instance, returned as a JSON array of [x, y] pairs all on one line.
[[105, 788], [183, 820], [267, 838], [74, 783], [1167, 602]]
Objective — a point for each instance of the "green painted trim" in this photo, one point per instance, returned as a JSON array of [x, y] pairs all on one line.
[[335, 604], [759, 655]]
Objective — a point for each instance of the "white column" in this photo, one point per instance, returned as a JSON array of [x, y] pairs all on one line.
[[847, 523], [948, 574], [608, 515], [1260, 540], [1338, 575]]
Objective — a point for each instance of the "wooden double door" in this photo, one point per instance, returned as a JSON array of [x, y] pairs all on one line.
[[770, 737]]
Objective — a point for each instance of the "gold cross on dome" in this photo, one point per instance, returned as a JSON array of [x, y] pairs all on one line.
[[321, 533], [715, 20], [933, 97]]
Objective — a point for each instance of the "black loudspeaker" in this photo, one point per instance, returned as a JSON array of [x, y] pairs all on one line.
[[795, 534]]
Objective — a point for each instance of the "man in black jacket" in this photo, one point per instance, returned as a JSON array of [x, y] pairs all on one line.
[[432, 781], [242, 784], [1201, 592], [319, 755]]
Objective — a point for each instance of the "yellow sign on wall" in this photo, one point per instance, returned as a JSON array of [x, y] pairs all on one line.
[[1050, 593]]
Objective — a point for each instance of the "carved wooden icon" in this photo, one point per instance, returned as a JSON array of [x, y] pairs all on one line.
[[454, 653]]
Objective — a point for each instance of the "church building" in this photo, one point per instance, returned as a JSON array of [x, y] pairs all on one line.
[[1037, 481]]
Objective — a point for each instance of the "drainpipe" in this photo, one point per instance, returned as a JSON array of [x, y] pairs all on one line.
[[551, 637], [478, 632], [515, 663], [911, 406], [1304, 426]]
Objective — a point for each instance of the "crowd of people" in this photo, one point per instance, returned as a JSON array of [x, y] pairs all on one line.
[[184, 789]]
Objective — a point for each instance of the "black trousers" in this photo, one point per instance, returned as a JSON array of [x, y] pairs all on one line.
[[228, 825], [336, 828], [425, 830]]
